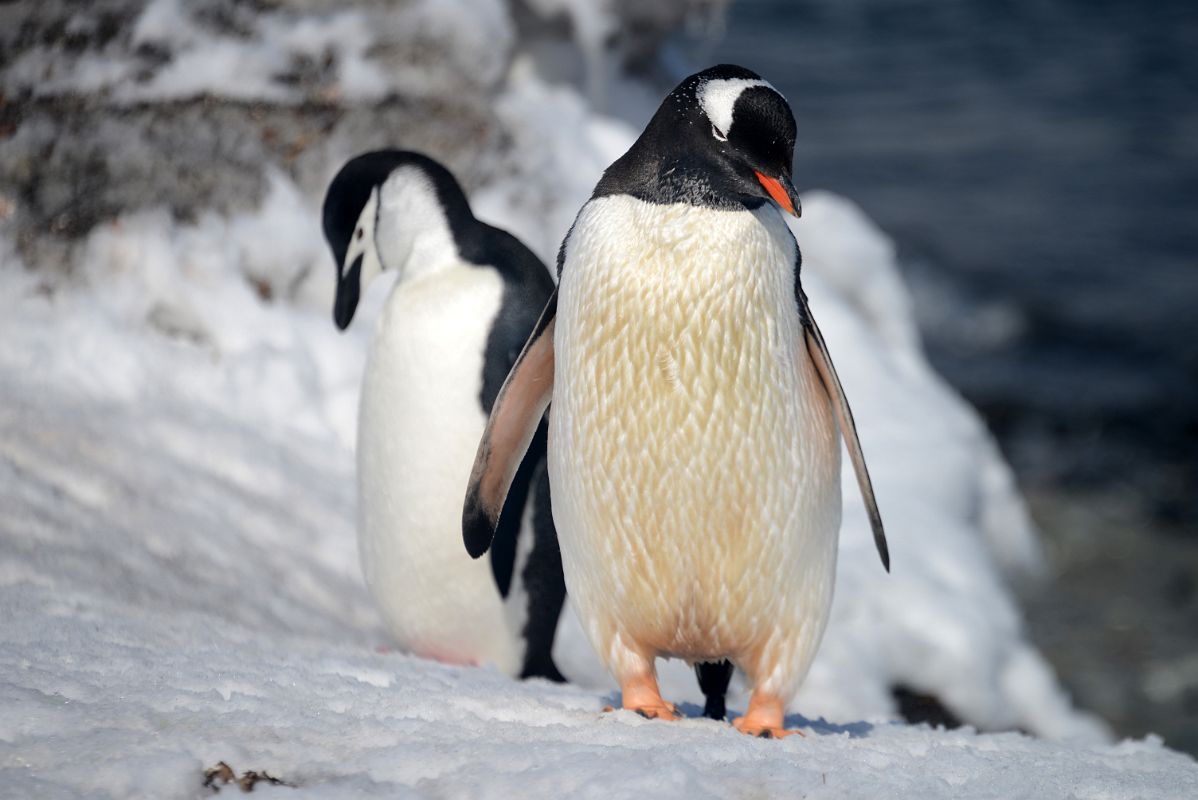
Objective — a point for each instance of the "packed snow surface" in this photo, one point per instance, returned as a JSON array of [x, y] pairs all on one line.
[[103, 696]]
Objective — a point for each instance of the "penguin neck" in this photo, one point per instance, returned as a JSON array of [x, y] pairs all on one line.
[[414, 235], [659, 169]]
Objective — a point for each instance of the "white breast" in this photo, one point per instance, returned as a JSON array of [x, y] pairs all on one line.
[[419, 425], [693, 454]]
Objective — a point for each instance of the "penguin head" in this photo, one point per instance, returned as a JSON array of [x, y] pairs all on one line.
[[723, 137], [390, 209]]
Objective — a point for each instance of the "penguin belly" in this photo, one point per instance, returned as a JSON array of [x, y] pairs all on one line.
[[419, 423], [693, 453]]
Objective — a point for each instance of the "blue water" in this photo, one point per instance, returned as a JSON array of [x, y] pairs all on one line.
[[1041, 154]]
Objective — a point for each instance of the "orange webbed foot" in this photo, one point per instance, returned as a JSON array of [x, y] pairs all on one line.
[[764, 718], [662, 710], [751, 728], [642, 696]]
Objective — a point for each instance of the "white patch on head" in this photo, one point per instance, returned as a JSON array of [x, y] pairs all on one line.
[[402, 227], [413, 235], [718, 98]]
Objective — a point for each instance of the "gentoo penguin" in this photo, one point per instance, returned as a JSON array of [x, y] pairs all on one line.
[[693, 448], [466, 297]]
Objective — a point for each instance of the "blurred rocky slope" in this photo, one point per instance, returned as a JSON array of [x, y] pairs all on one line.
[[119, 105]]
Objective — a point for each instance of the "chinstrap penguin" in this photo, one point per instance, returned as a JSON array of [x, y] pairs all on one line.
[[693, 447], [466, 296]]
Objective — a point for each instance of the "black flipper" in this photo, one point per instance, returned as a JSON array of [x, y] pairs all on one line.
[[818, 351], [714, 677]]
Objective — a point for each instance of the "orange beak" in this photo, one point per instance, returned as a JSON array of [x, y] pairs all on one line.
[[779, 194]]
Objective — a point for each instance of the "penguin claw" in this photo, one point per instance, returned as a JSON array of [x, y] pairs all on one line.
[[640, 694], [767, 733], [760, 731], [764, 718], [666, 711]]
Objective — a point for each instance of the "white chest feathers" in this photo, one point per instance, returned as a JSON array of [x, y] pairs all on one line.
[[693, 454], [419, 423]]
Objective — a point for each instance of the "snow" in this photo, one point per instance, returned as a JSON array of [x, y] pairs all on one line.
[[558, 151], [151, 705], [178, 572]]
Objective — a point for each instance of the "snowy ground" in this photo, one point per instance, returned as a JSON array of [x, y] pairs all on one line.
[[103, 697], [179, 589], [178, 572]]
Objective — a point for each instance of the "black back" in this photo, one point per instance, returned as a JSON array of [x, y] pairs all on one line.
[[527, 287]]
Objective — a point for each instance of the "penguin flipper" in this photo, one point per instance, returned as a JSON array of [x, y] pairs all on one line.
[[517, 412], [818, 351]]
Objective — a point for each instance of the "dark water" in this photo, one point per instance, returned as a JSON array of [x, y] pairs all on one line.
[[1045, 153], [1037, 164]]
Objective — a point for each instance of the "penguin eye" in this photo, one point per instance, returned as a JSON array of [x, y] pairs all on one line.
[[716, 133], [359, 234]]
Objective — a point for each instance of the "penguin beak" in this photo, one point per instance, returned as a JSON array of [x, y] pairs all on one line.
[[782, 192], [349, 287]]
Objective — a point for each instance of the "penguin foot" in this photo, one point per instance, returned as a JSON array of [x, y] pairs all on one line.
[[545, 669], [714, 677], [653, 713], [715, 709], [764, 718], [642, 696], [666, 711], [765, 731]]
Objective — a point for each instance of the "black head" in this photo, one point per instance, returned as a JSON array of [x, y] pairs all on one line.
[[724, 138], [351, 218]]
